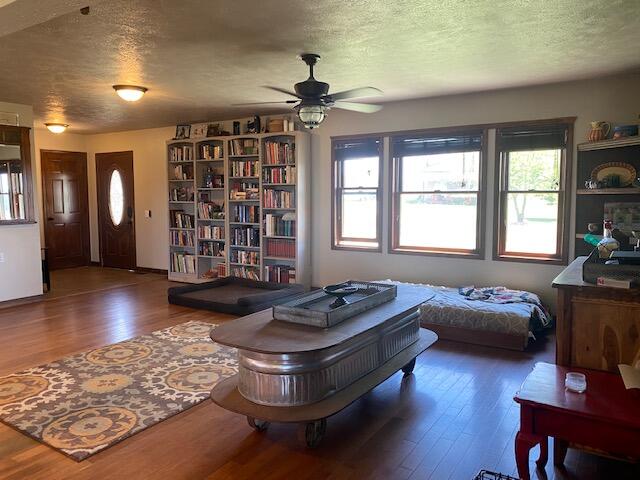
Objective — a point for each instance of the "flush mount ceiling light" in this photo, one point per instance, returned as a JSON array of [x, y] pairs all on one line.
[[56, 127], [130, 93]]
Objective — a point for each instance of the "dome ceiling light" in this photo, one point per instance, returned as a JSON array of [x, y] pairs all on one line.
[[130, 93], [56, 127]]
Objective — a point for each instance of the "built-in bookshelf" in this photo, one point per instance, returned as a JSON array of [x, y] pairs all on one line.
[[239, 205]]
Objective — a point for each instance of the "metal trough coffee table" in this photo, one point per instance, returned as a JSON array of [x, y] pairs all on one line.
[[294, 373]]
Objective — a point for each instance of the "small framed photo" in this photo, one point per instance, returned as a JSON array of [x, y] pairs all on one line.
[[199, 130], [183, 132]]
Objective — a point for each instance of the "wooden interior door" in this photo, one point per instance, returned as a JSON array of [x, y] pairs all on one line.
[[116, 222], [66, 211]]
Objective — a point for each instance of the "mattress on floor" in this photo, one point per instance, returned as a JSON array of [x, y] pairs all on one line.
[[450, 308]]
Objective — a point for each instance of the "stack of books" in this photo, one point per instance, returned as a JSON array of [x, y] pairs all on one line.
[[211, 232], [245, 169], [245, 237], [279, 199], [279, 175], [277, 226], [246, 214], [244, 257], [280, 274], [278, 153], [211, 249], [243, 146], [183, 263], [210, 152], [181, 153], [281, 248], [182, 238], [181, 220]]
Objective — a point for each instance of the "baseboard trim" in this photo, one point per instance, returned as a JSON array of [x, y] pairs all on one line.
[[94, 264], [159, 271]]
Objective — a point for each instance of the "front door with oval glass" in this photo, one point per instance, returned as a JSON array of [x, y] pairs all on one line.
[[114, 172]]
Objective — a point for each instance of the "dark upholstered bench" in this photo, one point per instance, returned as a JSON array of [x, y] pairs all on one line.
[[237, 296]]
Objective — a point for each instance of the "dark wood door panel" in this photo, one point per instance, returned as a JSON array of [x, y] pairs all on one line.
[[117, 237], [66, 211]]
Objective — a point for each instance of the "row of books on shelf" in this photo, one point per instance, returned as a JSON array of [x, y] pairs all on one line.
[[279, 175], [278, 199], [182, 238], [243, 146], [280, 274], [181, 194], [183, 263], [211, 249], [183, 172], [181, 153], [181, 219], [245, 168], [281, 248], [246, 213], [211, 152], [210, 211], [245, 236], [244, 191], [279, 152], [244, 257], [250, 273], [279, 225], [211, 232]]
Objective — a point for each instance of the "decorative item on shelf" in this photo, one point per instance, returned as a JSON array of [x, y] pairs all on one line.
[[199, 130], [213, 130], [622, 131], [614, 174], [625, 216], [276, 125], [183, 132], [236, 128], [253, 126], [598, 131], [593, 227]]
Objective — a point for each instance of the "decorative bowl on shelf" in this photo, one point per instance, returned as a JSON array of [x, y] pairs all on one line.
[[607, 173]]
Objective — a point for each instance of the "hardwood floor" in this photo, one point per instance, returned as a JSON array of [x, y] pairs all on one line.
[[453, 417]]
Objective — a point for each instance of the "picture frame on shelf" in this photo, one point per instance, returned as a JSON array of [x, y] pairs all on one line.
[[183, 132], [199, 130]]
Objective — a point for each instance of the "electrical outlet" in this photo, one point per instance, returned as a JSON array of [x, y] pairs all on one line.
[[1, 257], [147, 213]]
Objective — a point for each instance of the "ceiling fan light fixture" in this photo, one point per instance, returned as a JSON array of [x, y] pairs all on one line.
[[130, 93], [56, 127], [312, 115]]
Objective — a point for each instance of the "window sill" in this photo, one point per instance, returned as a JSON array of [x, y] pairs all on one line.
[[525, 259], [437, 253], [17, 222], [353, 248]]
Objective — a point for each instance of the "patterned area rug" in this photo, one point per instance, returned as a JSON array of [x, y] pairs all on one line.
[[89, 401]]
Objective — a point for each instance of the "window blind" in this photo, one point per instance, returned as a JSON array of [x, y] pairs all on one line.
[[532, 138], [352, 149], [434, 145]]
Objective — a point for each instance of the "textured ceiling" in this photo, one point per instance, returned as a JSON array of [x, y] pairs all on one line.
[[197, 57]]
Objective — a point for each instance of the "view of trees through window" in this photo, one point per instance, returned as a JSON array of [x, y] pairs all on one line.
[[532, 196]]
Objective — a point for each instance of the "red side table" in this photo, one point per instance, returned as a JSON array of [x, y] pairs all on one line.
[[606, 417]]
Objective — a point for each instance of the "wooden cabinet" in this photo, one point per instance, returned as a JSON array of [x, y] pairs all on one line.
[[597, 327]]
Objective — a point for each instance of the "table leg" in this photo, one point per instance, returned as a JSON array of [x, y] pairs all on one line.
[[524, 443], [559, 451], [544, 453]]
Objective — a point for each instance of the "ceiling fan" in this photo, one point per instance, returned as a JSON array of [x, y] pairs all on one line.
[[314, 99]]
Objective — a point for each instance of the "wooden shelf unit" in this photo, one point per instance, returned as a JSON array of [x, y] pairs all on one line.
[[590, 202], [300, 187]]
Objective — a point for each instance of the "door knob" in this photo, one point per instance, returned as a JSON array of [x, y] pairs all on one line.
[[50, 218]]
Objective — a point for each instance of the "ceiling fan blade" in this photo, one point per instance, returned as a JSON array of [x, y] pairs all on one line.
[[356, 93], [282, 90], [358, 107], [264, 103]]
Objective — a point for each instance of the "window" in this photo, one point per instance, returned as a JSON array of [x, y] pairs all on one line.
[[532, 181], [437, 193], [357, 173], [15, 175], [116, 198]]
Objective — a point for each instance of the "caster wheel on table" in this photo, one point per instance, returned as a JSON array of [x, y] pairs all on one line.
[[257, 425], [408, 368], [314, 432]]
